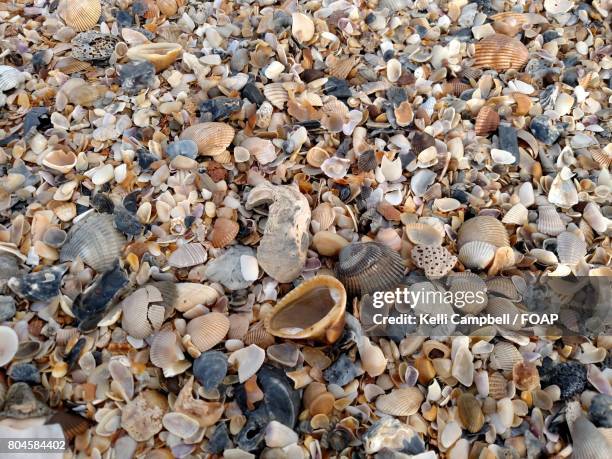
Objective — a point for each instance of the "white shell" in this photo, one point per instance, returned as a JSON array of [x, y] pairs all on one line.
[[477, 254], [502, 156], [421, 180], [526, 195], [248, 360], [391, 170], [558, 6], [394, 70], [593, 216], [570, 248], [10, 77], [549, 221], [302, 27], [9, 342], [517, 215]]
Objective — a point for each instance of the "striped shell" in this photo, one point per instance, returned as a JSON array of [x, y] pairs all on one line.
[[455, 87], [161, 55], [208, 330], [95, 241], [365, 267], [469, 282], [224, 232], [70, 65], [140, 316], [517, 215], [367, 161], [503, 286], [323, 215], [189, 294], [487, 121], [424, 234], [340, 68], [588, 441], [187, 255], [400, 402], [82, 15], [500, 52], [165, 350], [477, 254], [276, 94], [549, 221], [483, 228], [498, 386], [258, 334], [167, 7], [436, 261], [498, 307], [504, 356], [509, 23], [10, 77], [212, 138], [570, 248]]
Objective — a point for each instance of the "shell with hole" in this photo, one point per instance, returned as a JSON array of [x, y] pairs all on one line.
[[313, 310]]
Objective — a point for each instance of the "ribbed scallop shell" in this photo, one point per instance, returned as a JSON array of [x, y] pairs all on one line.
[[570, 248], [82, 15], [504, 356], [549, 221], [503, 286], [602, 158], [365, 267], [455, 87], [367, 161], [276, 94], [212, 138], [141, 316], [167, 7], [498, 307], [95, 241], [477, 254], [161, 55], [500, 52], [498, 386], [324, 215], [208, 330], [483, 228], [224, 232], [187, 255], [342, 67], [588, 441], [258, 335], [517, 215], [487, 121], [400, 402], [10, 77], [436, 261], [165, 349], [424, 234], [70, 65]]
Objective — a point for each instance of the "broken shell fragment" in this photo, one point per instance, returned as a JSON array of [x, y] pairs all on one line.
[[247, 361], [211, 138], [161, 55]]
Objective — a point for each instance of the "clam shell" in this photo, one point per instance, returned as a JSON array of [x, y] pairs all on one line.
[[424, 234], [470, 412], [187, 255], [81, 15], [276, 94], [323, 215], [483, 228], [455, 87], [421, 180], [477, 254], [60, 160], [165, 350], [365, 267], [549, 221], [316, 156], [212, 138], [180, 424], [262, 149], [9, 343], [436, 261], [210, 368], [367, 161], [140, 316], [55, 237], [504, 357], [95, 241], [503, 286], [10, 77], [313, 310], [258, 334], [500, 52], [487, 121], [224, 232], [208, 330], [593, 216], [161, 55], [498, 306], [248, 361], [570, 248], [498, 386], [400, 402]]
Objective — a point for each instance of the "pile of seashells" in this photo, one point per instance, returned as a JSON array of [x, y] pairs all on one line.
[[199, 199]]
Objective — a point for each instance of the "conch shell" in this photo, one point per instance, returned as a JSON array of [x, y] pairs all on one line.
[[313, 310]]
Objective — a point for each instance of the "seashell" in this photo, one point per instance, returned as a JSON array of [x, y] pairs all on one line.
[[258, 334], [549, 221], [95, 241], [21, 403], [470, 412], [205, 413], [41, 285], [316, 156], [436, 261], [262, 149], [502, 156], [367, 161], [366, 267], [208, 330], [60, 160], [424, 234], [463, 366], [500, 52], [400, 402], [55, 237], [81, 15], [455, 87], [70, 65], [373, 360], [191, 254], [421, 180], [10, 78], [9, 343], [328, 244], [486, 122], [322, 404], [313, 310], [394, 70], [485, 229], [212, 138], [286, 354], [278, 435], [525, 376], [180, 424], [517, 215], [210, 369], [558, 6], [404, 115], [504, 357], [224, 232], [593, 216], [140, 316], [302, 28], [161, 55], [165, 349], [167, 7], [588, 441], [562, 191], [248, 361], [276, 94], [341, 68], [570, 248], [469, 282], [323, 215], [498, 386]]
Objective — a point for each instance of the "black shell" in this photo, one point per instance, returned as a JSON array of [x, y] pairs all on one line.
[[40, 286], [210, 368]]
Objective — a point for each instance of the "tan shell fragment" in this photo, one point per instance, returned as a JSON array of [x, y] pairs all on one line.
[[81, 15], [470, 412], [302, 27], [424, 234], [400, 402], [549, 221], [205, 413], [500, 52], [224, 232], [212, 138], [161, 55], [208, 330], [498, 386], [60, 161], [142, 417], [140, 316], [276, 94], [167, 7]]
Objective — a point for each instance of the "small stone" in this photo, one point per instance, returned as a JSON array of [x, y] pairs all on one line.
[[253, 94], [508, 140], [137, 76], [543, 129], [600, 410], [337, 87], [219, 108], [25, 372], [187, 148], [7, 308]]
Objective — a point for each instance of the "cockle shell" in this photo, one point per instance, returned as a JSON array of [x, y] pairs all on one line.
[[455, 87], [262, 149], [187, 255], [212, 138], [525, 376], [167, 7], [500, 52], [436, 261], [487, 121], [161, 55], [367, 161], [141, 316], [505, 356], [95, 241], [165, 350], [366, 267], [498, 386], [276, 94], [208, 330], [10, 77], [224, 232], [570, 248], [60, 160], [81, 15], [400, 402], [549, 221], [483, 228], [313, 310], [469, 282], [477, 254], [9, 343], [323, 216]]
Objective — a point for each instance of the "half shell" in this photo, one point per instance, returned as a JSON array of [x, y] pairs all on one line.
[[477, 254], [208, 330], [9, 342], [500, 52], [60, 160], [224, 232], [400, 402], [424, 234], [81, 15], [549, 221], [570, 248], [487, 121], [504, 357], [211, 138], [313, 310], [483, 228]]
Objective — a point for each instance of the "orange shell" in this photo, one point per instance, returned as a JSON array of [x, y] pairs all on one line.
[[455, 87], [500, 52], [486, 121], [167, 7], [82, 15], [212, 138], [208, 330], [224, 231]]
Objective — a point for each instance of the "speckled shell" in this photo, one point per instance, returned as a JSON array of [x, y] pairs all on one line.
[[570, 247], [487, 121], [400, 402], [224, 232], [500, 52], [161, 55], [327, 328], [436, 261], [212, 138], [276, 94], [477, 254], [483, 228], [365, 267], [95, 241], [549, 221], [81, 15], [208, 330], [504, 356]]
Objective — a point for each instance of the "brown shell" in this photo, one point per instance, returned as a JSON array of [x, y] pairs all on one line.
[[167, 7], [500, 52], [161, 55], [72, 424], [367, 161], [498, 386], [82, 15], [525, 376], [224, 232], [455, 87], [400, 402], [258, 335], [342, 67], [483, 228], [487, 121], [70, 65], [523, 103], [470, 412], [208, 330], [212, 138]]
